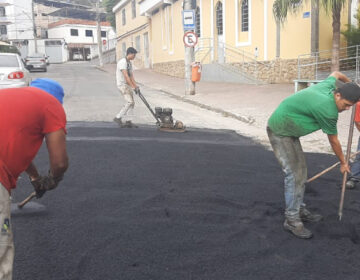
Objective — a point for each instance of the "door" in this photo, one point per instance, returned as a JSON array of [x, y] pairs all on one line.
[[53, 50]]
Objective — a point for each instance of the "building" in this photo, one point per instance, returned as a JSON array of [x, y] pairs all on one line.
[[18, 21], [81, 37], [133, 30], [241, 34], [50, 11]]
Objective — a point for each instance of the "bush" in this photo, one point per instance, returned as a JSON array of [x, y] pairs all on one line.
[[9, 49]]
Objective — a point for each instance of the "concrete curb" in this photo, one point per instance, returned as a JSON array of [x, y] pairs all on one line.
[[245, 119]]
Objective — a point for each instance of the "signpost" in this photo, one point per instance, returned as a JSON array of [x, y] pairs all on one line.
[[190, 39], [189, 19]]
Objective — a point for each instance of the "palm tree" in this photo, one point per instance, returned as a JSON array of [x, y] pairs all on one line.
[[282, 7]]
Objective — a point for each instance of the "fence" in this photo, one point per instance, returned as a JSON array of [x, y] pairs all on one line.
[[317, 66]]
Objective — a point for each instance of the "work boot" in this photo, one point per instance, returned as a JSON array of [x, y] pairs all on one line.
[[307, 216], [118, 121], [350, 184], [129, 124], [296, 227]]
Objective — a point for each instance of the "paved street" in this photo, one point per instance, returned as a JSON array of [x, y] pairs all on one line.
[[139, 204]]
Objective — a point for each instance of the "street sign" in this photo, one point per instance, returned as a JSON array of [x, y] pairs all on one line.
[[190, 39], [189, 19], [104, 42]]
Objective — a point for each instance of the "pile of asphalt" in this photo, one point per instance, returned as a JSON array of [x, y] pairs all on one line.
[[141, 204]]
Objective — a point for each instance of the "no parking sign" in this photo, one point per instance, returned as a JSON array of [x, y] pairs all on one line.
[[190, 39]]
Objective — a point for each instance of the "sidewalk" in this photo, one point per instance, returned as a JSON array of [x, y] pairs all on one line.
[[249, 104]]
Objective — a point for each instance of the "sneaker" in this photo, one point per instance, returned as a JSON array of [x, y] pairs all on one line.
[[307, 216], [118, 121], [350, 184], [296, 227]]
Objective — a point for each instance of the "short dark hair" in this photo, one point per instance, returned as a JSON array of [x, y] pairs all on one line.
[[349, 91], [131, 50]]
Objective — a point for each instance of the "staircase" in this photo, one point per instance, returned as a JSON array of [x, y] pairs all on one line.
[[233, 65]]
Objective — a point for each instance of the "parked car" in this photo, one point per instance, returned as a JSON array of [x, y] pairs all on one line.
[[36, 62], [77, 56], [12, 71]]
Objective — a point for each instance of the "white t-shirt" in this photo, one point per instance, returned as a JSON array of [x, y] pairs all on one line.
[[122, 64]]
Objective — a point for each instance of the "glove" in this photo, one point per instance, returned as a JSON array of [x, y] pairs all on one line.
[[37, 187], [137, 90], [45, 183]]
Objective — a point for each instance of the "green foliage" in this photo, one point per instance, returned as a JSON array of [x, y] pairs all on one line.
[[9, 49], [281, 8], [352, 34], [110, 16]]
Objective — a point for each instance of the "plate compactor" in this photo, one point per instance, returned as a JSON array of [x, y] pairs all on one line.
[[163, 117]]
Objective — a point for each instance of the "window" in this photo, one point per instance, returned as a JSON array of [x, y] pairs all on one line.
[[9, 61], [2, 12], [53, 43], [244, 16], [133, 8], [74, 32], [219, 18], [137, 43], [3, 30], [88, 33], [103, 34], [197, 18], [123, 17], [124, 49]]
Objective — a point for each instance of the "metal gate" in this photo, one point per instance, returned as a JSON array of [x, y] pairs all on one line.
[[54, 50]]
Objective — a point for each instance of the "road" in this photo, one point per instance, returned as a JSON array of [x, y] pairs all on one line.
[[139, 204]]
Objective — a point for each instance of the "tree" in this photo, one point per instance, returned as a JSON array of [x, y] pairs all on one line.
[[282, 7], [352, 33], [109, 5]]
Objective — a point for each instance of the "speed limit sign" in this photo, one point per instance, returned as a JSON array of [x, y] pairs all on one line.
[[190, 39]]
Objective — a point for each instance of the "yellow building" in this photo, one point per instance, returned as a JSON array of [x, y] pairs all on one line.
[[132, 31], [240, 33]]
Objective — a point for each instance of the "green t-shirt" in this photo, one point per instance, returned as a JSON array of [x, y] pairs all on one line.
[[306, 111]]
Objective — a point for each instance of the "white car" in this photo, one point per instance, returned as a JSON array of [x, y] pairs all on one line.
[[12, 71]]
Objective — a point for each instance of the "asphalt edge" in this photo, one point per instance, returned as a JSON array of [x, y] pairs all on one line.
[[224, 113]]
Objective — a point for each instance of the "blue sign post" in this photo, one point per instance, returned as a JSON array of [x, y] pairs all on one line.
[[189, 19]]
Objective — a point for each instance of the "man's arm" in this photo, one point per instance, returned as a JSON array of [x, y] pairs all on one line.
[[32, 172], [340, 76], [128, 80], [56, 145], [335, 145]]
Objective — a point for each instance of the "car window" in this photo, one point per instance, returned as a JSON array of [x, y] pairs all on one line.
[[8, 61]]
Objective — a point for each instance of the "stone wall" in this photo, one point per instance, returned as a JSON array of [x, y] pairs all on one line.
[[171, 68], [278, 70], [274, 71]]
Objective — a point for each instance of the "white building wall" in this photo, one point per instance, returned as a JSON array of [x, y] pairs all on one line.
[[20, 14], [63, 31]]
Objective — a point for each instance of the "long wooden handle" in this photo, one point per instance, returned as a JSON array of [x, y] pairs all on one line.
[[26, 200], [347, 157], [329, 168]]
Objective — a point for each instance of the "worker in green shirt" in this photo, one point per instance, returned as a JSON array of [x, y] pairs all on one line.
[[306, 111]]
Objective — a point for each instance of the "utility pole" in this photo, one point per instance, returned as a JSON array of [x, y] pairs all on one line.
[[189, 55], [98, 25], [34, 26]]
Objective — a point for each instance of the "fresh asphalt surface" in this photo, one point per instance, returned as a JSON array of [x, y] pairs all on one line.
[[141, 204]]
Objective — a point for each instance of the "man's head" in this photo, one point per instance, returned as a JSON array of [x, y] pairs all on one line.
[[131, 53], [346, 95], [50, 86]]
